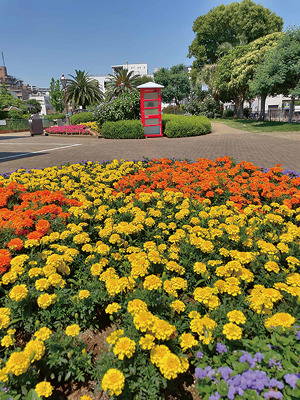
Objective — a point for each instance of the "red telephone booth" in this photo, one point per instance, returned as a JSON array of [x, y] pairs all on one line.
[[151, 108]]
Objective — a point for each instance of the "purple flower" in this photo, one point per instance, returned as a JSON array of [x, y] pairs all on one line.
[[200, 373], [258, 357], [215, 396], [231, 393], [275, 383], [291, 379], [273, 363], [199, 354], [225, 372], [221, 348], [298, 335], [271, 394], [246, 357]]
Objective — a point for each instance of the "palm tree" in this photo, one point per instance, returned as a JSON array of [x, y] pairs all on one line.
[[121, 81], [82, 90]]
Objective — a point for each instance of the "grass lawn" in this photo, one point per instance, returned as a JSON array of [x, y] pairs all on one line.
[[259, 126]]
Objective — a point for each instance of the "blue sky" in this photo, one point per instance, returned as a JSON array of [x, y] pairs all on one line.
[[45, 38]]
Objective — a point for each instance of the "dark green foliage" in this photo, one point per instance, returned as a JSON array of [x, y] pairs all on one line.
[[183, 126], [176, 83], [33, 106], [82, 90], [228, 113], [82, 117], [209, 107], [234, 24], [120, 82], [51, 117], [171, 109], [56, 95], [3, 114], [123, 130], [125, 106], [8, 100]]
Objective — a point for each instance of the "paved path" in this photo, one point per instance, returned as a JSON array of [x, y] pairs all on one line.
[[20, 150]]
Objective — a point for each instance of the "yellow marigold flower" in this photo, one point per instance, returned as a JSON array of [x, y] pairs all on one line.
[[18, 292], [284, 320], [187, 341], [9, 277], [178, 306], [114, 381], [5, 311], [124, 347], [272, 266], [114, 336], [157, 353], [232, 331], [143, 320], [85, 398], [34, 272], [170, 365], [35, 350], [201, 325], [200, 268], [49, 270], [43, 333], [7, 341], [194, 314], [152, 282], [147, 342], [236, 316], [96, 269], [162, 329], [4, 321], [83, 294], [136, 305], [18, 363], [72, 330], [56, 280], [45, 300], [112, 308], [293, 279], [292, 261], [3, 375], [174, 266], [44, 389], [42, 284]]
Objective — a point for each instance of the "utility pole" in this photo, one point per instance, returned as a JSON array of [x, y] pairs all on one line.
[[3, 59]]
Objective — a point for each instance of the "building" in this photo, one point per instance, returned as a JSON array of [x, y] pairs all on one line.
[[44, 101], [14, 84]]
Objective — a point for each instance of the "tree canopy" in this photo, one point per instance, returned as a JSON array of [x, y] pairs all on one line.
[[233, 24], [82, 90], [56, 96], [8, 100], [176, 83], [234, 72], [120, 82], [279, 73]]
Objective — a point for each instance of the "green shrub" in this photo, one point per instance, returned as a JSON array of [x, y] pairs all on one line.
[[3, 114], [129, 129], [182, 126], [125, 107], [51, 117], [208, 107], [171, 109], [228, 113], [82, 117]]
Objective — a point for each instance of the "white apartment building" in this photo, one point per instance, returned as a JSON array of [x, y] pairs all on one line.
[[47, 108]]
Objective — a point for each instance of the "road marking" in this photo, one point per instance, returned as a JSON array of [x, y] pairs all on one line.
[[33, 144], [39, 151]]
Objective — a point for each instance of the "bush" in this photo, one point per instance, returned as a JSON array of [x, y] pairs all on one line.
[[228, 113], [3, 114], [82, 117], [124, 107], [52, 117], [129, 129], [182, 126], [208, 107], [171, 109]]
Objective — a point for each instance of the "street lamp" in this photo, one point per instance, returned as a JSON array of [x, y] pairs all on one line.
[[63, 81]]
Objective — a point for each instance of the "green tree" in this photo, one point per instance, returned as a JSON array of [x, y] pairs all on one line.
[[56, 96], [234, 72], [8, 100], [120, 82], [234, 24], [176, 83], [82, 90], [279, 73], [140, 80], [33, 106]]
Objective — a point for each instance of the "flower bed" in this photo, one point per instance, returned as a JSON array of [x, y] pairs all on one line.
[[80, 129], [190, 271]]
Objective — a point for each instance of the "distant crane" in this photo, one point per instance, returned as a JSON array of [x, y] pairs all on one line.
[[3, 58]]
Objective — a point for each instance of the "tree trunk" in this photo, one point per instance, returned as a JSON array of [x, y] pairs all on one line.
[[262, 107], [291, 111], [239, 103]]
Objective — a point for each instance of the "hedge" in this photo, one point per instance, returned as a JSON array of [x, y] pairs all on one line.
[[182, 126], [82, 117], [52, 117], [127, 129]]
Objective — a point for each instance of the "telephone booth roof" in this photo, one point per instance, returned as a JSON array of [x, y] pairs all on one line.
[[150, 85]]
